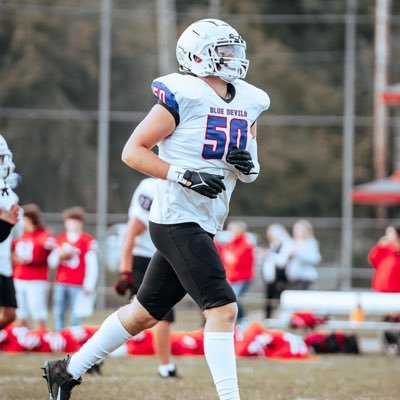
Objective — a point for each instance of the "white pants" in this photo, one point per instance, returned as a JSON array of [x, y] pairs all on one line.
[[31, 299]]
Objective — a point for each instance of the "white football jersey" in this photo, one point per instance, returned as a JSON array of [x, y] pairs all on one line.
[[7, 199], [141, 202], [207, 128]]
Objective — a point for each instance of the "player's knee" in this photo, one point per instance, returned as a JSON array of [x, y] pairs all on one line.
[[225, 314], [135, 317], [230, 312]]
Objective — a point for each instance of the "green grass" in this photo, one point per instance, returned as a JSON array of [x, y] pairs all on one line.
[[332, 377], [329, 378]]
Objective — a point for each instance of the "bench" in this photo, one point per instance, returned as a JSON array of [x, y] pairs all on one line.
[[338, 303]]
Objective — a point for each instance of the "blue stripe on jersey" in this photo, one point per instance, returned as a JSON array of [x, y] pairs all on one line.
[[164, 95]]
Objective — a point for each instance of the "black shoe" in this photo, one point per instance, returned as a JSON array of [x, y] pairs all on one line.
[[96, 368], [59, 382]]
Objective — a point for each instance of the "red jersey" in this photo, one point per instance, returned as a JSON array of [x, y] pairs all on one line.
[[16, 338], [256, 340], [238, 258], [72, 271], [187, 343], [142, 344], [386, 261], [33, 248]]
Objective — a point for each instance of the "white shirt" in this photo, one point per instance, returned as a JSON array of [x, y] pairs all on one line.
[[306, 257], [141, 203], [7, 199], [208, 127]]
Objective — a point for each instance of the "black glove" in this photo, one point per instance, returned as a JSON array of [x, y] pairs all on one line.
[[241, 159], [208, 185], [123, 283]]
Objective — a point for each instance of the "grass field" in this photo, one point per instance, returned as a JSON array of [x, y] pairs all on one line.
[[327, 378], [342, 377]]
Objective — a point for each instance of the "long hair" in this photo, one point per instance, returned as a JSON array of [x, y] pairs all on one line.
[[278, 232]]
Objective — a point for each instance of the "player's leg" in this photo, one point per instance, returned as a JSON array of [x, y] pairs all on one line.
[[8, 302], [240, 289], [74, 292], [162, 341], [7, 315], [192, 253], [21, 293], [162, 331], [37, 302], [63, 375], [59, 305]]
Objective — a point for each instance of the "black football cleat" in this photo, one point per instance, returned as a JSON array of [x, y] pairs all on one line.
[[96, 368], [59, 382]]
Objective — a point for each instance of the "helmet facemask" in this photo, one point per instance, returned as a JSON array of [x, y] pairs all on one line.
[[6, 164]]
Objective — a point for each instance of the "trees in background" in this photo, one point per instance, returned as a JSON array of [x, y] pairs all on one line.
[[50, 61]]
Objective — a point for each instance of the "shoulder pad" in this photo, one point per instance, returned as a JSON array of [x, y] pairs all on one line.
[[257, 95]]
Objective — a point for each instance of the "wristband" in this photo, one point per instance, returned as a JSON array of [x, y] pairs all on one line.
[[175, 174]]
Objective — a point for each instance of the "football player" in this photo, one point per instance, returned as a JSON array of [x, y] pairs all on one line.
[[76, 264], [137, 250], [9, 210], [29, 257], [205, 128]]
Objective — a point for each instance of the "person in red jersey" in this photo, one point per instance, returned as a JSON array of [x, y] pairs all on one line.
[[30, 273], [238, 258], [385, 258], [76, 264]]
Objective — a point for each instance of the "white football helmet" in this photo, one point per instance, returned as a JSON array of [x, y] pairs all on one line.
[[6, 164], [212, 47]]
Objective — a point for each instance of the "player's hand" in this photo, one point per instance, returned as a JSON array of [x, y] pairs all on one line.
[[11, 216], [241, 159], [206, 184], [123, 283]]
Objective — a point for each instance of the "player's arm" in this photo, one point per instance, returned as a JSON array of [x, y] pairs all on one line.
[[134, 228], [156, 126], [125, 279], [91, 271], [246, 161]]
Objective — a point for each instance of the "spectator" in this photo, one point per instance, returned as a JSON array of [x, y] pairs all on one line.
[[29, 257], [274, 267], [77, 270], [304, 257], [8, 214], [385, 258], [238, 258]]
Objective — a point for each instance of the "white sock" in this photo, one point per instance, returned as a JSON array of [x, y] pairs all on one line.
[[109, 337], [165, 369], [219, 350]]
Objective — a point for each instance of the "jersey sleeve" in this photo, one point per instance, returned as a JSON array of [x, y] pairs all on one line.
[[140, 205], [166, 97], [179, 94]]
